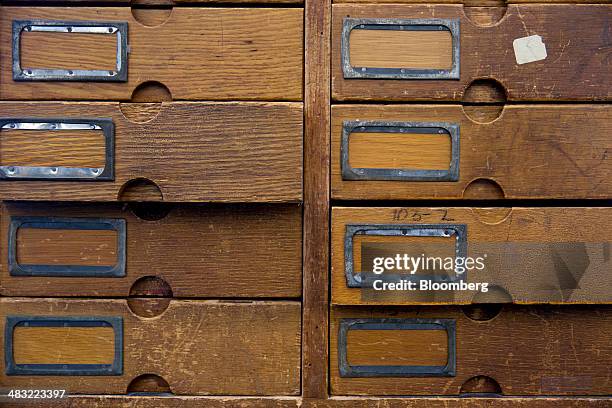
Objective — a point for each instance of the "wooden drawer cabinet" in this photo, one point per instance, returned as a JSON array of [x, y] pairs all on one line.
[[530, 255], [53, 249], [183, 151], [444, 152], [196, 53], [523, 350], [197, 347], [434, 52]]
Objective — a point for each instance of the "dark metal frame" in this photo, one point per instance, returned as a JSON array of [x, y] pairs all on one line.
[[64, 173], [40, 74], [347, 370], [12, 368], [354, 280], [369, 126], [87, 271], [413, 24]]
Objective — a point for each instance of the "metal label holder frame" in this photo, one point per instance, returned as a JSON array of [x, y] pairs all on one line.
[[119, 74], [416, 24], [12, 368], [347, 370], [87, 271], [106, 125], [369, 126], [459, 231]]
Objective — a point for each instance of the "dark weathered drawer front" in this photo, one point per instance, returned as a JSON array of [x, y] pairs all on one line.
[[425, 52], [52, 249], [254, 54], [524, 350], [408, 152], [186, 151], [189, 346], [570, 257]]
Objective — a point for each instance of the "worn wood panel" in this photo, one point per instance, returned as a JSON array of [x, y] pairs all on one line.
[[294, 402], [58, 345], [58, 148], [138, 3], [144, 401], [197, 53], [315, 362], [397, 347], [542, 350], [530, 151], [189, 346], [400, 49], [547, 273], [574, 69], [467, 3], [66, 247], [199, 251], [192, 151], [463, 402]]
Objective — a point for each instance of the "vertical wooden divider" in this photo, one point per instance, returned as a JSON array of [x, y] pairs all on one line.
[[315, 310]]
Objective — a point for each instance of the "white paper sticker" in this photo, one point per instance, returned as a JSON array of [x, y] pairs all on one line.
[[529, 49]]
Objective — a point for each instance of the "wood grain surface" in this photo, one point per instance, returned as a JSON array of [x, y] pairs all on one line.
[[315, 361], [540, 269], [401, 49], [198, 250], [192, 151], [189, 346], [462, 402], [577, 41], [527, 350], [530, 151], [197, 53]]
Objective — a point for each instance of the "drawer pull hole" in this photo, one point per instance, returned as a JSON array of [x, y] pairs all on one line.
[[149, 296], [482, 188], [149, 384], [140, 189], [481, 384], [482, 312]]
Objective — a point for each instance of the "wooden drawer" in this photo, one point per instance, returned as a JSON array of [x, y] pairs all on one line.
[[522, 351], [434, 52], [52, 249], [571, 257], [195, 346], [196, 53], [179, 151], [450, 151]]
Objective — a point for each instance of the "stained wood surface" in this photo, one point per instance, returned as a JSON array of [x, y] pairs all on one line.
[[166, 401], [294, 402], [397, 347], [63, 345], [539, 271], [527, 350], [462, 402], [197, 53], [530, 151], [399, 151], [229, 152], [574, 69], [52, 148], [189, 346], [401, 49], [315, 361], [467, 3], [199, 251]]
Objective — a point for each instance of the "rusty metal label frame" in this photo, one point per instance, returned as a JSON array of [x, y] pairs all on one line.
[[412, 24], [369, 126], [13, 368], [346, 370], [459, 231], [119, 74]]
